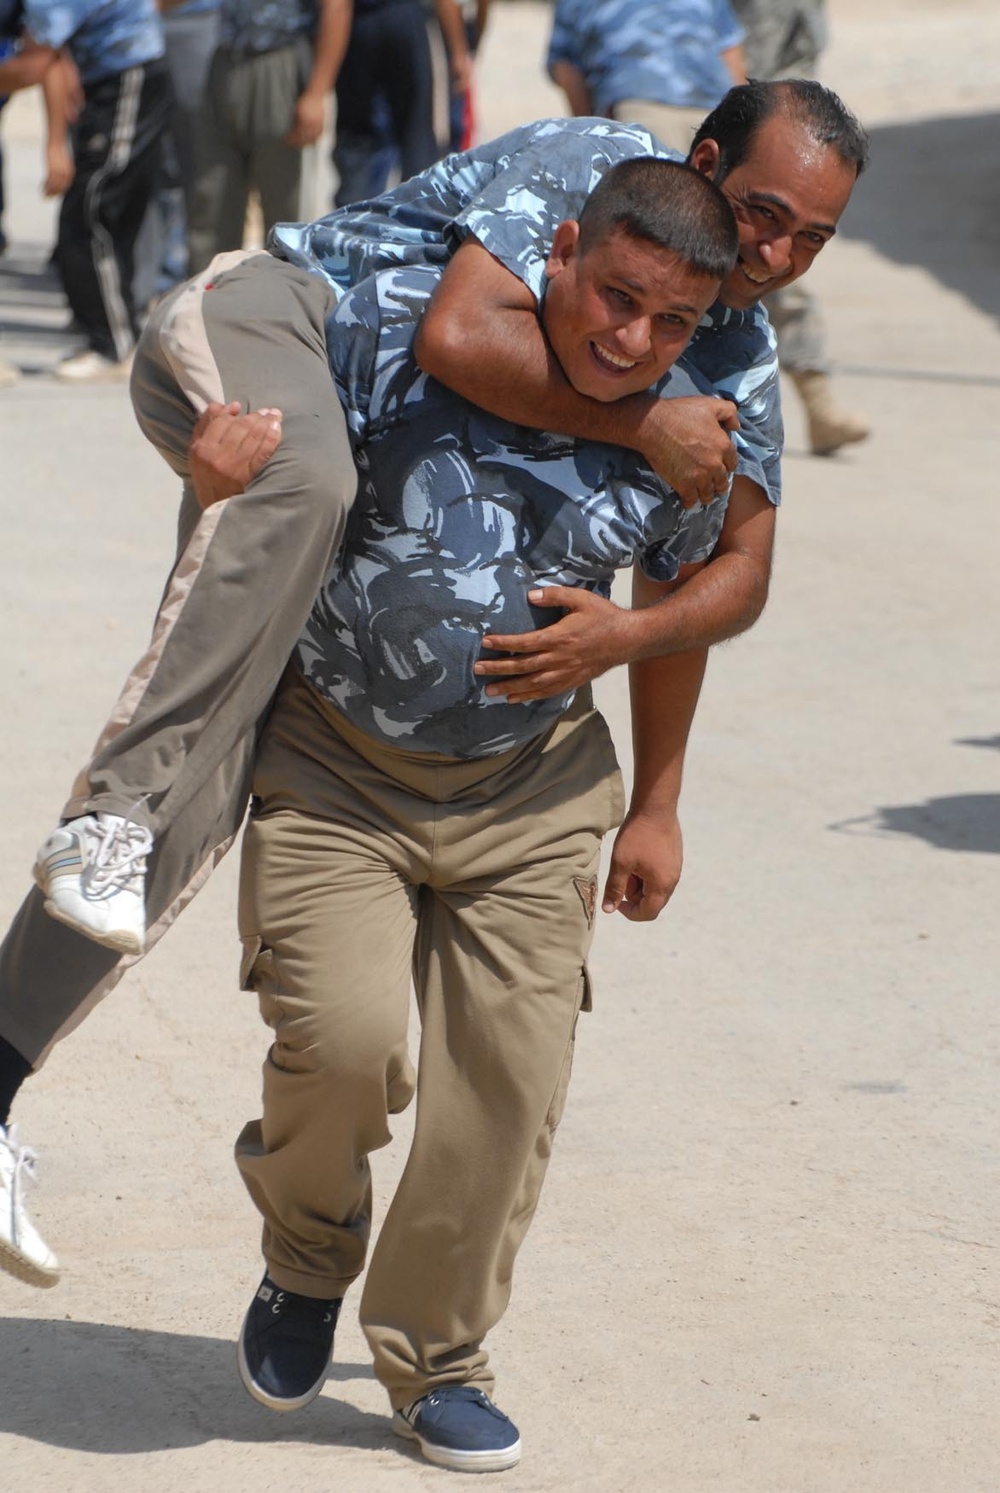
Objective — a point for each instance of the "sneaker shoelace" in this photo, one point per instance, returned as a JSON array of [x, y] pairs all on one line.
[[23, 1160], [120, 857], [464, 1392], [289, 1304]]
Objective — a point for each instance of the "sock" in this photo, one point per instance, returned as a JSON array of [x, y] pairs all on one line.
[[14, 1069]]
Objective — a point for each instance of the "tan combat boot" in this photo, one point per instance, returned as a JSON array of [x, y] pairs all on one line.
[[829, 427]]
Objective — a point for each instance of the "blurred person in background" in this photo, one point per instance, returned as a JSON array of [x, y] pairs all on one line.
[[117, 50], [276, 62], [784, 39], [658, 63], [462, 117], [191, 35], [387, 93]]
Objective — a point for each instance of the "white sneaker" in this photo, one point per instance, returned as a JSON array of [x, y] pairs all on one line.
[[93, 873], [23, 1251], [89, 367], [9, 375]]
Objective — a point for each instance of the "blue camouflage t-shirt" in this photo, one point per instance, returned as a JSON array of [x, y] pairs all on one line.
[[645, 49], [511, 194], [103, 37], [458, 515], [255, 26]]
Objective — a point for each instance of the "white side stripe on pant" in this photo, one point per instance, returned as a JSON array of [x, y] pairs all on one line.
[[105, 263]]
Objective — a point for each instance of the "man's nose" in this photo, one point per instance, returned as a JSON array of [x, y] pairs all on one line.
[[635, 336], [777, 253]]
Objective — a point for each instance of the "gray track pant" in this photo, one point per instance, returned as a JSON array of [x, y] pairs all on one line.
[[247, 572]]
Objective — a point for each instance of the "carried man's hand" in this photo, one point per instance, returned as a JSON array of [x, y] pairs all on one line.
[[593, 636], [228, 449], [645, 866], [687, 442]]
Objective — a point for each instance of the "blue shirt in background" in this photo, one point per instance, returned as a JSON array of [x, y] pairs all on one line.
[[103, 37], [254, 26], [663, 51]]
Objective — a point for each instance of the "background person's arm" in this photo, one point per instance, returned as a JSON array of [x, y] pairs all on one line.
[[732, 59], [333, 31], [449, 18], [570, 79], [60, 84], [27, 67], [481, 337]]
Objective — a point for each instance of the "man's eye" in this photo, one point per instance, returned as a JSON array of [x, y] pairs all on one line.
[[621, 296]]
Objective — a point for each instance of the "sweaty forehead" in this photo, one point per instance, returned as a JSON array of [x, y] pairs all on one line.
[[785, 144], [787, 165]]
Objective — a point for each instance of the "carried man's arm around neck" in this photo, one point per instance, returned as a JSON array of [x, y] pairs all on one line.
[[481, 337]]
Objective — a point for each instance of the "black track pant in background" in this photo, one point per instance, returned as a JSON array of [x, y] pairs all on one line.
[[117, 142]]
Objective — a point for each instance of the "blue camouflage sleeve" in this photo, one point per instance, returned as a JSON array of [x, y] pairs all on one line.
[[692, 540], [737, 354], [564, 43], [370, 345], [352, 331], [727, 28], [52, 24], [516, 215]]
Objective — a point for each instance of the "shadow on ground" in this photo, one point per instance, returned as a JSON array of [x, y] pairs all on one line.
[[992, 743], [961, 821], [27, 279], [931, 198], [119, 1390]]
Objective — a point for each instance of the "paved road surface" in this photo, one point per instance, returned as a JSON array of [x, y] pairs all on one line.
[[765, 1260]]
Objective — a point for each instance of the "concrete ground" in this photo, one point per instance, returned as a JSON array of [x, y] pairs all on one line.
[[765, 1259]]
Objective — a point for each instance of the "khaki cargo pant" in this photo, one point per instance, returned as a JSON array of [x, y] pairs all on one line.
[[363, 866], [182, 734]]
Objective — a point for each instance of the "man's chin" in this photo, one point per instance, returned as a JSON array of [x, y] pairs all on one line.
[[740, 292], [605, 393], [742, 296]]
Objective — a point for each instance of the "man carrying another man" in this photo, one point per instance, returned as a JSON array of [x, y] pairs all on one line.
[[404, 821], [818, 150]]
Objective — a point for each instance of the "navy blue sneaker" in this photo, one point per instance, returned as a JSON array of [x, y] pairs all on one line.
[[459, 1427], [285, 1346]]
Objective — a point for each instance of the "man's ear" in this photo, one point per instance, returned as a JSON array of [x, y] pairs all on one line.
[[705, 158], [565, 244]]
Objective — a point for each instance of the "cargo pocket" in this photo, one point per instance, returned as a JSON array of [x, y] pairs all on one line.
[[258, 972], [558, 1103]]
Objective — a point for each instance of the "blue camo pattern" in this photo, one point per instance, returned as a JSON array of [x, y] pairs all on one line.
[[255, 26], [510, 194], [664, 51], [458, 515], [104, 37]]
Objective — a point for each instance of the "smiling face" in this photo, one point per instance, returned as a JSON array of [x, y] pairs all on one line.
[[618, 314], [788, 195]]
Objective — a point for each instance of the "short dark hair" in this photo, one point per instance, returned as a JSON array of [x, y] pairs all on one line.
[[666, 203], [735, 120]]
